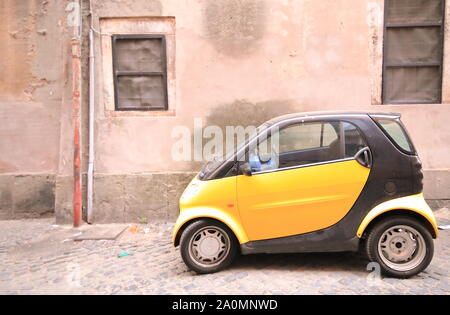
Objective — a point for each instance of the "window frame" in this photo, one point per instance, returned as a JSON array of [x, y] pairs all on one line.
[[163, 74], [438, 64]]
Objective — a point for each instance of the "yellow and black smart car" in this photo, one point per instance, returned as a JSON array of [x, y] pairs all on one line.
[[312, 182]]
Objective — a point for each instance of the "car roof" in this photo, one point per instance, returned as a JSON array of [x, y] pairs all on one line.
[[331, 114]]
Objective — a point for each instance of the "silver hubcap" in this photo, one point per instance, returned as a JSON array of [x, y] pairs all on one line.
[[402, 248], [209, 246]]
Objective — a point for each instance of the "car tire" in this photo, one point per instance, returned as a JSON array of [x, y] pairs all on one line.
[[208, 246], [401, 245]]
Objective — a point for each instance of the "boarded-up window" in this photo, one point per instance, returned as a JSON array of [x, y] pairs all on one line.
[[413, 48], [140, 75]]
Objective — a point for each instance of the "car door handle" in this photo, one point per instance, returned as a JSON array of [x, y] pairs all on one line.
[[364, 157]]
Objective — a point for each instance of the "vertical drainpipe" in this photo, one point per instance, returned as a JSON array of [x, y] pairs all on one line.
[[90, 177], [76, 120]]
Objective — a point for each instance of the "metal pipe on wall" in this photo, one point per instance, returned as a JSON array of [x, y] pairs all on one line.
[[76, 120], [90, 175], [76, 117]]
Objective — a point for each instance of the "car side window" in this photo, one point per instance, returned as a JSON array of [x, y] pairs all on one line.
[[353, 140], [306, 136], [298, 144], [396, 132], [306, 143]]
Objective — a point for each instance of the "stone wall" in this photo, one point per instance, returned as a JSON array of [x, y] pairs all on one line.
[[232, 62]]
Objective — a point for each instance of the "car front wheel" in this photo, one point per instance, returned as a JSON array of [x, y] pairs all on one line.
[[401, 245], [208, 246]]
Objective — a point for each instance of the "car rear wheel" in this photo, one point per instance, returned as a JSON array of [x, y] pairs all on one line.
[[208, 246], [401, 245]]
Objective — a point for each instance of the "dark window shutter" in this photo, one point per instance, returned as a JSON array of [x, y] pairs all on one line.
[[413, 49], [140, 72]]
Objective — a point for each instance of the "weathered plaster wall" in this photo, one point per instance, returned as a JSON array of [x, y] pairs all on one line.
[[242, 62], [235, 62], [274, 56], [34, 74]]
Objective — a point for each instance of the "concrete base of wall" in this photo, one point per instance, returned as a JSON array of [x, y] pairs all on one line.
[[26, 196], [63, 199], [125, 198], [437, 204], [437, 184], [437, 188], [128, 198]]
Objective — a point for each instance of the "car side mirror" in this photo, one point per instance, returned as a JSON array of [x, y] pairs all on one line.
[[246, 169]]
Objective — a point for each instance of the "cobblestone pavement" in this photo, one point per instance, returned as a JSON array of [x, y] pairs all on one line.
[[36, 258]]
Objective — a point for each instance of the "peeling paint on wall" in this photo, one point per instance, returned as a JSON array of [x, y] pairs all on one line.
[[31, 84]]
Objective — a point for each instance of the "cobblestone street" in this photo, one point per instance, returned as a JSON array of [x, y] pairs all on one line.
[[37, 258]]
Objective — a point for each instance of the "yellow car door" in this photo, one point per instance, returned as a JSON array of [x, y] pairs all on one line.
[[310, 181]]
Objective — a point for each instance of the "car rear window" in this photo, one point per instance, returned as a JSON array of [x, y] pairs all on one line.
[[396, 133]]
